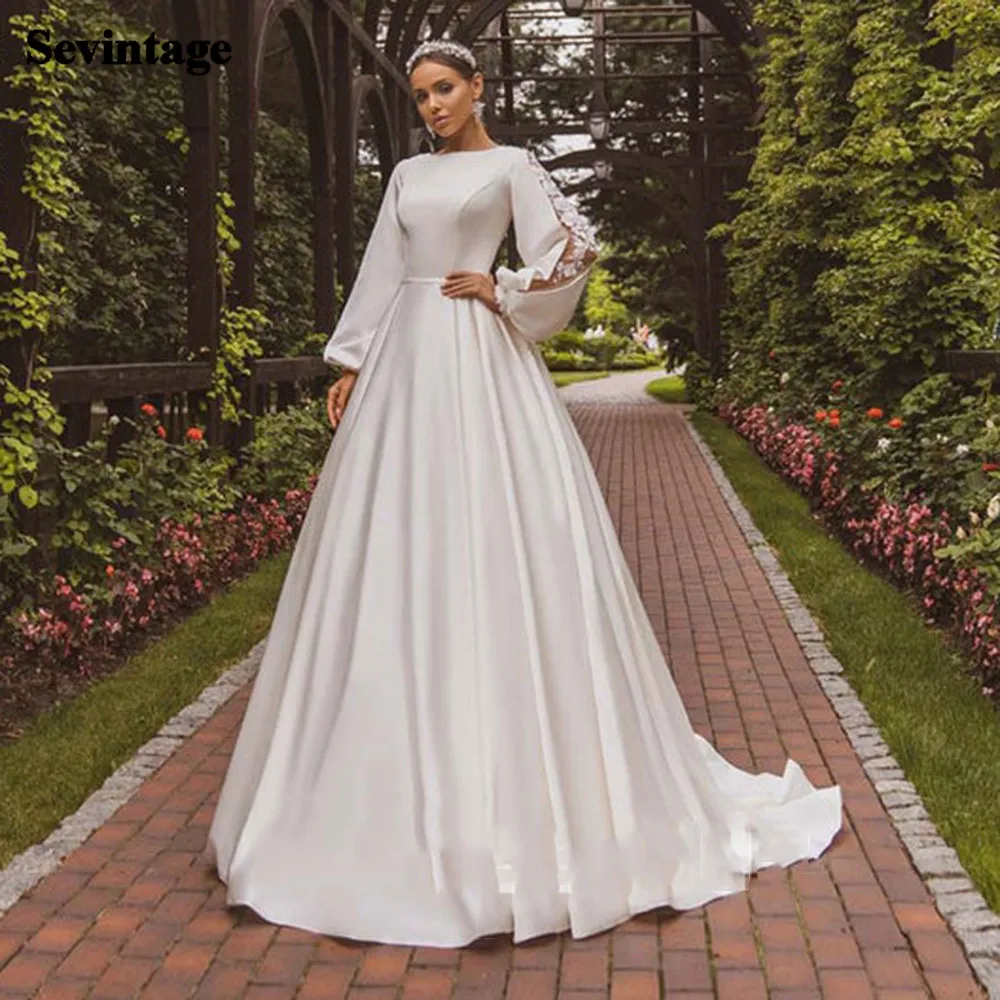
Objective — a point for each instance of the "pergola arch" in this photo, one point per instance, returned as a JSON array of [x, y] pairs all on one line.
[[736, 30], [350, 57], [194, 19], [367, 94]]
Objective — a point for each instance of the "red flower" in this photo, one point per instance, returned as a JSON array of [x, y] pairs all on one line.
[[875, 413], [109, 570], [835, 414], [820, 416], [161, 430], [772, 354], [896, 423], [839, 384], [991, 467], [195, 434], [148, 409], [834, 422]]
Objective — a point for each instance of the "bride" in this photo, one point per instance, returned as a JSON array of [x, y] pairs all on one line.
[[463, 724]]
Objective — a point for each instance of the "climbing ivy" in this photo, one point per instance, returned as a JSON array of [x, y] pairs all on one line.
[[28, 418], [240, 327], [866, 238]]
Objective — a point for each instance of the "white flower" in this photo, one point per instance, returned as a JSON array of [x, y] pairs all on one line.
[[961, 449], [783, 381], [993, 507], [114, 420], [960, 533], [990, 425], [883, 444], [973, 519]]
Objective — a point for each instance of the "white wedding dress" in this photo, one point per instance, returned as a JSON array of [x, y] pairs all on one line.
[[463, 723]]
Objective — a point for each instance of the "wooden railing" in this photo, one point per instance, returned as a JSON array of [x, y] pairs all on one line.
[[88, 394], [971, 365]]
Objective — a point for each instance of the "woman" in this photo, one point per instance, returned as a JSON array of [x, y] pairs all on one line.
[[463, 724]]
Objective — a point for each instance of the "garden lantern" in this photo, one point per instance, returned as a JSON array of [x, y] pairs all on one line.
[[599, 122]]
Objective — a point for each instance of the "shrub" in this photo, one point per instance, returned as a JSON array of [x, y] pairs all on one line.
[[287, 448]]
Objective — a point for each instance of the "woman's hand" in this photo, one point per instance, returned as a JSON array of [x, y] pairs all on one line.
[[471, 285], [337, 397]]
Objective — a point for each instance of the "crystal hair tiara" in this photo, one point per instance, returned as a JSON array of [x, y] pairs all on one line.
[[434, 45]]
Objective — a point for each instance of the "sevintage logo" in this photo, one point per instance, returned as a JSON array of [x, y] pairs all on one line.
[[198, 57]]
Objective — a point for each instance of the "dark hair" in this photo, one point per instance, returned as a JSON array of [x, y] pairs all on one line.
[[460, 66]]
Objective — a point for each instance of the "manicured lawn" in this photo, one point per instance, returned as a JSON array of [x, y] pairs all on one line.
[[67, 753], [566, 378], [669, 389], [944, 734]]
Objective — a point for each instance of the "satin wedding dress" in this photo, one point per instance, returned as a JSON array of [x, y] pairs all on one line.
[[463, 723]]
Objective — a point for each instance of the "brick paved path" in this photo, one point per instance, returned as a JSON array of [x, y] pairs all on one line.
[[134, 911]]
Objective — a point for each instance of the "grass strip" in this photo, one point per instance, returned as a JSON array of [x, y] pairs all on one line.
[[67, 752], [669, 389], [942, 731], [566, 378]]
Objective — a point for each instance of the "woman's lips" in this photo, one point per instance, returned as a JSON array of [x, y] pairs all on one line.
[[440, 121]]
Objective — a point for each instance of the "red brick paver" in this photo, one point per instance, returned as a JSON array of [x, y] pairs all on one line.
[[135, 913]]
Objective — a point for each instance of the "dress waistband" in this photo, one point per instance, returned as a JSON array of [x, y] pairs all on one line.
[[422, 281]]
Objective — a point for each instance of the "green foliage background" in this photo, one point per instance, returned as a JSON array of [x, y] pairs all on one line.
[[867, 237], [121, 267]]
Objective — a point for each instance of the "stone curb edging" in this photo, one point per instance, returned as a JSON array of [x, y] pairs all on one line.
[[966, 912], [29, 867]]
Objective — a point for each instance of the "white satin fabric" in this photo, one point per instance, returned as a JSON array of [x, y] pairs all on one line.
[[463, 723]]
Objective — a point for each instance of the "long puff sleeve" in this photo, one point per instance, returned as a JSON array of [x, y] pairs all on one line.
[[558, 247], [377, 281]]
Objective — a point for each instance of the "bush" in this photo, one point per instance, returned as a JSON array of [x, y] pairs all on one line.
[[628, 361], [288, 447], [701, 388], [134, 541], [568, 361]]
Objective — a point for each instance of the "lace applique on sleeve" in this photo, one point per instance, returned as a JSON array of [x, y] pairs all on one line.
[[582, 247], [558, 246]]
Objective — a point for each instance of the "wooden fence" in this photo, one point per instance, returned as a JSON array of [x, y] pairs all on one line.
[[970, 365], [88, 394]]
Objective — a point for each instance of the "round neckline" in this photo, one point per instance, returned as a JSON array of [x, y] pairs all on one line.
[[460, 152]]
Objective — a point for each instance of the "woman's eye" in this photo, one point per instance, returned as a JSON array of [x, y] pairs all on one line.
[[445, 88]]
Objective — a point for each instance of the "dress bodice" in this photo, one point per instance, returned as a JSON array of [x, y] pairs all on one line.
[[446, 212], [454, 210]]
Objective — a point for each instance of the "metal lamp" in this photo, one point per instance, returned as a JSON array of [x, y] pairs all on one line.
[[573, 7], [599, 122]]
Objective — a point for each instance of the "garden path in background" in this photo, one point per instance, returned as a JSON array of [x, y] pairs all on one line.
[[135, 912]]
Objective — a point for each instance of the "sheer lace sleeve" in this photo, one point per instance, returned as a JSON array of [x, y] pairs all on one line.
[[376, 283], [558, 247]]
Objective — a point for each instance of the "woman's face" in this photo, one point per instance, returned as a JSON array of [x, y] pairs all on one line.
[[444, 97]]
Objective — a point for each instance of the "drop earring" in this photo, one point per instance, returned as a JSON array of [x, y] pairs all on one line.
[[477, 109]]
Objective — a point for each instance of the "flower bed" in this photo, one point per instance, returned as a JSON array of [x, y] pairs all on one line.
[[134, 544], [77, 629], [908, 540]]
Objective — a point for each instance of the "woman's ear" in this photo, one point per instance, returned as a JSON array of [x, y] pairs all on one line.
[[477, 85]]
